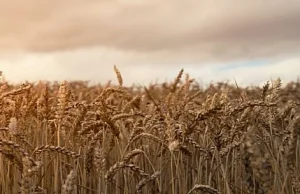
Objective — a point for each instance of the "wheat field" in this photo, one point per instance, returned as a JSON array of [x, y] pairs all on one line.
[[168, 138]]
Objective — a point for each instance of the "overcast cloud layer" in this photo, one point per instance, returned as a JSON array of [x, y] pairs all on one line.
[[229, 28], [67, 35]]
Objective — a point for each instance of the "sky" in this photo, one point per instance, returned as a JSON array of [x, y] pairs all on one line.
[[249, 41]]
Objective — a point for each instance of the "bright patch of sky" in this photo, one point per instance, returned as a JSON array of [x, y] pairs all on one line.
[[47, 67], [249, 63]]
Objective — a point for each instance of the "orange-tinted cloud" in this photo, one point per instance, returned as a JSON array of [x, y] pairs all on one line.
[[163, 29]]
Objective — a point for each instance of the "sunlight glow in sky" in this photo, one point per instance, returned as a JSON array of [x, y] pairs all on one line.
[[150, 40]]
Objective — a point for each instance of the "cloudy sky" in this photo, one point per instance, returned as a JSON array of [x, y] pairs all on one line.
[[251, 41]]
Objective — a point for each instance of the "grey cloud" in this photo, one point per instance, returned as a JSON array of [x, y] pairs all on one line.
[[170, 30]]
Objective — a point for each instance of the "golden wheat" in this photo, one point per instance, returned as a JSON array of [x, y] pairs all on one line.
[[166, 138]]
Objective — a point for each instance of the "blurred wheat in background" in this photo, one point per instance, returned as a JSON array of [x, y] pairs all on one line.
[[165, 138]]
